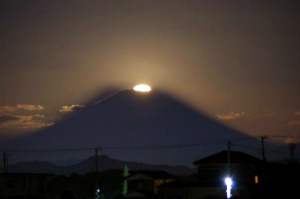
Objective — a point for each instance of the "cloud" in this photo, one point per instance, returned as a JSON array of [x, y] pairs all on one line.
[[6, 118], [25, 124], [22, 121], [9, 109], [70, 108], [38, 115], [6, 109], [30, 107], [294, 123], [10, 120], [230, 116]]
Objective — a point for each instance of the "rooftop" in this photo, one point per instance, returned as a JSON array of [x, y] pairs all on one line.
[[236, 157], [154, 174]]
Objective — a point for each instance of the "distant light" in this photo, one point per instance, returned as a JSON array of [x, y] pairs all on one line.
[[228, 183], [142, 88], [256, 179], [98, 190]]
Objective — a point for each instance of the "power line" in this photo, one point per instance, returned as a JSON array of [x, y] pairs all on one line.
[[167, 147], [115, 147], [139, 147], [256, 148], [46, 150]]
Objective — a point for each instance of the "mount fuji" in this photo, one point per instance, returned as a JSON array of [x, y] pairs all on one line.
[[150, 127]]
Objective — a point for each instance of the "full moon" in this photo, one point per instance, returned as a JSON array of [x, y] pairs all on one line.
[[142, 88]]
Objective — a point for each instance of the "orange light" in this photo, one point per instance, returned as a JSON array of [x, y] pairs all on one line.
[[256, 179]]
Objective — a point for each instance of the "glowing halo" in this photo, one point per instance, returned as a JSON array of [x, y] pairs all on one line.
[[228, 183], [142, 88]]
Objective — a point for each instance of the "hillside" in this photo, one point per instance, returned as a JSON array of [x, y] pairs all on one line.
[[88, 165]]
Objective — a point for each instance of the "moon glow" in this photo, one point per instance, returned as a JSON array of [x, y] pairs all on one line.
[[142, 88]]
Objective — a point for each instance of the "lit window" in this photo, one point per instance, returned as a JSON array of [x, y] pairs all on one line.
[[256, 179]]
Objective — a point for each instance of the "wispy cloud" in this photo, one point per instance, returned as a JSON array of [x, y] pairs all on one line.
[[9, 109], [230, 116], [10, 117], [70, 108], [5, 118], [30, 107], [22, 121], [38, 115], [293, 123]]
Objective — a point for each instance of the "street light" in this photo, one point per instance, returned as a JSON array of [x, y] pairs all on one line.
[[228, 182]]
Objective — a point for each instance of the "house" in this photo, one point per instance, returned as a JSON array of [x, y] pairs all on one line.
[[243, 167], [245, 171], [23, 185], [144, 184], [192, 188]]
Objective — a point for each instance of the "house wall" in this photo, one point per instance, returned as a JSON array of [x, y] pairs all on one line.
[[141, 184], [214, 172], [159, 182], [243, 173], [193, 193], [145, 183], [22, 185]]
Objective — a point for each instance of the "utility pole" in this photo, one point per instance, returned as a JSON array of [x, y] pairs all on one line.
[[292, 147], [263, 147], [97, 193], [96, 164], [228, 158], [4, 163]]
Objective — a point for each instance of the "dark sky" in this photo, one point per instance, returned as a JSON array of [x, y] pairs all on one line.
[[237, 61]]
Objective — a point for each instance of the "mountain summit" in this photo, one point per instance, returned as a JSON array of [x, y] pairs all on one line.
[[150, 127]]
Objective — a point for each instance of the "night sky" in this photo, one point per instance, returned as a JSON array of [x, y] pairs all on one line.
[[236, 61]]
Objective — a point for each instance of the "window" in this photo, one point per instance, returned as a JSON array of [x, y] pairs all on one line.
[[139, 185], [24, 182], [10, 183], [41, 185], [176, 197]]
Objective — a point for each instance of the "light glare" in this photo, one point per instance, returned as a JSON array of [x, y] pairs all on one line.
[[142, 88], [228, 183]]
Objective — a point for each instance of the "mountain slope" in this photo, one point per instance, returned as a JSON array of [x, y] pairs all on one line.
[[135, 119], [104, 163], [143, 118]]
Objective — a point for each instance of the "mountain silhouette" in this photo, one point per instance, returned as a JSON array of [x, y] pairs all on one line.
[[88, 165], [149, 127]]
